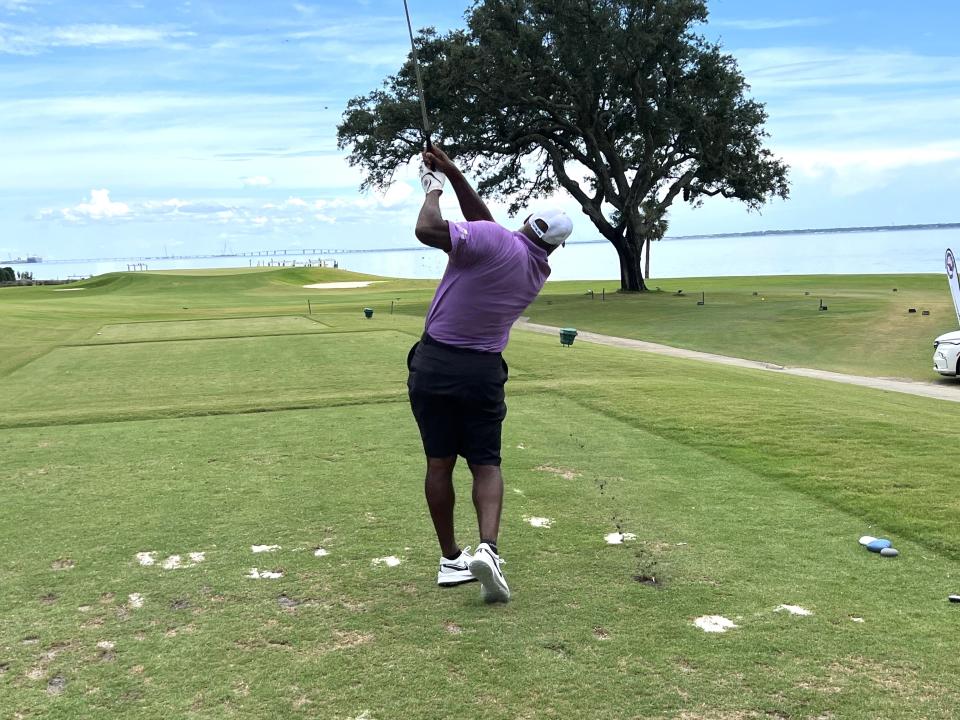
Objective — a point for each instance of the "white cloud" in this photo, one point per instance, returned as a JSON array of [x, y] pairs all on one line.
[[99, 207], [13, 6], [256, 181], [770, 23], [34, 40], [399, 202], [852, 171], [784, 69]]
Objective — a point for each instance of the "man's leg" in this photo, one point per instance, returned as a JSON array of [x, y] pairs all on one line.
[[485, 564], [441, 498], [488, 500]]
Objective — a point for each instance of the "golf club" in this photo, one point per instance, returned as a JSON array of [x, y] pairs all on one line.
[[416, 68]]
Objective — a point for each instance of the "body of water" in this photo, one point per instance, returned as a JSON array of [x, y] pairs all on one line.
[[874, 252]]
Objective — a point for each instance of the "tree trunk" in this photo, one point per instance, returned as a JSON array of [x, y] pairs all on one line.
[[646, 260], [630, 251]]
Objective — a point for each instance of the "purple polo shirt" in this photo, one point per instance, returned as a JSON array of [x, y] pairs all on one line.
[[492, 275]]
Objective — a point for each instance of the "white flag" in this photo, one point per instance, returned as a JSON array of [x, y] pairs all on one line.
[[954, 282]]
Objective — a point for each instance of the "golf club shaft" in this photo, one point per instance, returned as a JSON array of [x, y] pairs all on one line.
[[416, 68]]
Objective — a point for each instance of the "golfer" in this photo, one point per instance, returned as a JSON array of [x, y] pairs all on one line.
[[457, 372]]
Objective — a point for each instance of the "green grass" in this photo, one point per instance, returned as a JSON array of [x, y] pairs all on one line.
[[867, 329], [232, 423]]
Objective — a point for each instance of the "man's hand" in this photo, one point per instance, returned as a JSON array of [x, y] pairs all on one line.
[[431, 179], [472, 207], [437, 159]]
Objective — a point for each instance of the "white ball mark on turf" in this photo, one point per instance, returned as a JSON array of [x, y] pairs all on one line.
[[264, 575], [146, 558], [618, 538], [714, 623], [389, 561], [793, 610], [539, 522], [264, 548]]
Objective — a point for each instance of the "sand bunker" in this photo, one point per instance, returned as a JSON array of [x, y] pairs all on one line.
[[341, 285]]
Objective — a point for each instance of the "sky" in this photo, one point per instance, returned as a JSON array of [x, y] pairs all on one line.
[[136, 128]]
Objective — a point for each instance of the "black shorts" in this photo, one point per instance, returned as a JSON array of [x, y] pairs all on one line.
[[457, 398]]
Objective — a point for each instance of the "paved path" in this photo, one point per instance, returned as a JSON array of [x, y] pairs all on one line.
[[938, 391]]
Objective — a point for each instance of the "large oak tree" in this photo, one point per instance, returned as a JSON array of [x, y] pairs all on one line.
[[619, 102]]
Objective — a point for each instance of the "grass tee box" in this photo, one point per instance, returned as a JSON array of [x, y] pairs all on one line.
[[207, 375], [181, 330]]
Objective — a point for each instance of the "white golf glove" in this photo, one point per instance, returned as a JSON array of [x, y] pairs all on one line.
[[431, 179]]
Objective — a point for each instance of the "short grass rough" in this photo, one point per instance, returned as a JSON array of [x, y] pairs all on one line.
[[215, 413]]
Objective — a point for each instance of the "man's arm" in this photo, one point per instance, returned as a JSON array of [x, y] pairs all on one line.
[[432, 229], [472, 207]]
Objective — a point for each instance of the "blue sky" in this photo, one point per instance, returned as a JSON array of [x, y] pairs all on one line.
[[137, 127]]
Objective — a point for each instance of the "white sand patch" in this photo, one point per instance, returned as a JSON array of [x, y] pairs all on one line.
[[146, 558], [342, 285], [173, 562], [264, 575], [793, 610], [69, 289], [197, 557], [320, 552], [135, 600], [106, 645], [539, 522], [618, 538], [714, 623], [389, 561], [264, 548]]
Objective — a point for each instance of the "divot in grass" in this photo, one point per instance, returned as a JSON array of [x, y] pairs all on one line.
[[714, 623], [256, 574], [320, 552], [63, 564], [538, 522], [135, 600], [389, 561], [618, 538], [565, 473], [793, 610], [264, 548]]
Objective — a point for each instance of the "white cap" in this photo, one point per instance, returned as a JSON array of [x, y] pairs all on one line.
[[558, 224]]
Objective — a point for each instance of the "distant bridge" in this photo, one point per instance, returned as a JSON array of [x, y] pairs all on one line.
[[295, 252]]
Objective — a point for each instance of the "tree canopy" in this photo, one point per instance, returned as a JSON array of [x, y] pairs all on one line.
[[621, 103]]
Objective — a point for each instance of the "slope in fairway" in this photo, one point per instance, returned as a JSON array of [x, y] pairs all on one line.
[[191, 329]]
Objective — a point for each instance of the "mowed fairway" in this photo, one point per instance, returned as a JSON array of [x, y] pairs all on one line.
[[213, 414]]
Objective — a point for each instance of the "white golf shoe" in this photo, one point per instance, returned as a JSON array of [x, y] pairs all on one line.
[[485, 566], [455, 572]]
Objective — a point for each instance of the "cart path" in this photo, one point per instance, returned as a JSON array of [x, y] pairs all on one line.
[[937, 391]]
